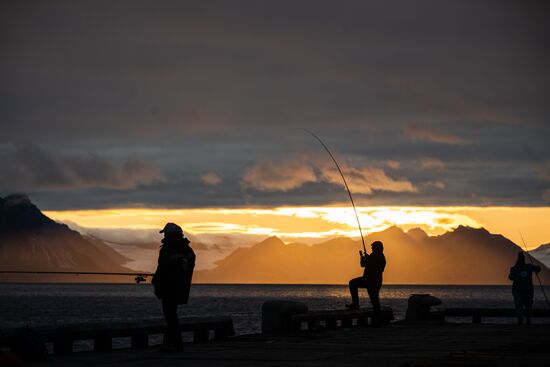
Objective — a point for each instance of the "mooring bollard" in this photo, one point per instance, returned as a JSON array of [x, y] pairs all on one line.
[[419, 305], [277, 315]]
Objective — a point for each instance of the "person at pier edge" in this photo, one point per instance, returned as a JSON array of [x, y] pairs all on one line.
[[374, 265], [172, 281], [522, 287]]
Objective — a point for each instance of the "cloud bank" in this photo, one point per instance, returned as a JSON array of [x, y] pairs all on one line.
[[268, 176], [153, 107], [284, 176], [30, 167], [211, 179], [432, 134]]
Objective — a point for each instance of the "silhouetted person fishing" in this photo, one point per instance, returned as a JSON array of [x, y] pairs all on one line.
[[172, 281], [374, 265], [522, 287]]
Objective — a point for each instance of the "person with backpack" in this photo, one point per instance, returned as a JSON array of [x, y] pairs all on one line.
[[374, 265], [522, 287], [172, 281]]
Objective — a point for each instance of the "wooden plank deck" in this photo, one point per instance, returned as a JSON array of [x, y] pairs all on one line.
[[64, 336], [478, 313], [332, 319], [392, 345]]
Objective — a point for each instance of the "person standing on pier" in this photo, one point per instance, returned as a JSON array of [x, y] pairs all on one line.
[[172, 281], [374, 265], [522, 287]]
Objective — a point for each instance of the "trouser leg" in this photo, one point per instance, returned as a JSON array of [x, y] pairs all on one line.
[[173, 333], [518, 303], [354, 285], [374, 292], [528, 307]]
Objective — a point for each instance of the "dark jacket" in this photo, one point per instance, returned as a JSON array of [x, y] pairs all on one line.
[[374, 265], [172, 279], [521, 275]]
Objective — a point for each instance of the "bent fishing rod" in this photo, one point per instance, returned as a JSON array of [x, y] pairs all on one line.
[[345, 183], [536, 274], [139, 277]]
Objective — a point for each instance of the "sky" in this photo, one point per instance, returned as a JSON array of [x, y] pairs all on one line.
[[216, 232], [199, 104]]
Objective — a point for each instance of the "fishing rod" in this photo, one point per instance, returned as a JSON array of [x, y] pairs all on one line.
[[345, 184], [139, 277], [536, 274]]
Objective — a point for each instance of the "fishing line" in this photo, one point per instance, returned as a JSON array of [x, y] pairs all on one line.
[[537, 275], [139, 277], [345, 184]]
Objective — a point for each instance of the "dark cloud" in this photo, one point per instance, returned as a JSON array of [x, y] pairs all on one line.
[[29, 167], [284, 176], [266, 175], [367, 180], [211, 178], [203, 90], [429, 133], [431, 163]]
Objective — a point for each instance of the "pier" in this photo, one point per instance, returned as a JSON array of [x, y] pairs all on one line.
[[333, 319], [330, 338], [102, 334], [478, 313], [397, 344]]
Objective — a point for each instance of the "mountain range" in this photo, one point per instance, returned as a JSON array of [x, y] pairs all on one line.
[[542, 254], [463, 256], [29, 240]]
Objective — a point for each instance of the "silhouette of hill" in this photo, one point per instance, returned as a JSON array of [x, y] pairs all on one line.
[[29, 240], [417, 234], [463, 256]]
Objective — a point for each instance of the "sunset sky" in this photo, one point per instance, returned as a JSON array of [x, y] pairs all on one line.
[[128, 114]]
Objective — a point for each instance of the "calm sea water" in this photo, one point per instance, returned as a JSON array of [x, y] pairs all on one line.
[[47, 304]]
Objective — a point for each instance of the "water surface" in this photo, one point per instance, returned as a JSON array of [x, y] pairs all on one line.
[[47, 304]]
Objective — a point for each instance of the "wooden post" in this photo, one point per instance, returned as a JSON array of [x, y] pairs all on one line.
[[347, 322], [103, 344], [315, 325], [330, 323], [201, 336], [63, 345], [362, 320], [140, 341], [296, 325], [222, 333]]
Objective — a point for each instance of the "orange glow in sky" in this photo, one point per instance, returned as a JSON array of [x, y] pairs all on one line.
[[313, 224]]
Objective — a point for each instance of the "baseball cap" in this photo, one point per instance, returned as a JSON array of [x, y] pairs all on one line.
[[171, 228]]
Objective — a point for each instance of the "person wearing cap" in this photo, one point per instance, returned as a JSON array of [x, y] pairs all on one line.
[[172, 281], [521, 274], [374, 265]]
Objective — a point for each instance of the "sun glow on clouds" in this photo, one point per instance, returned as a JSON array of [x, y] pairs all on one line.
[[312, 224]]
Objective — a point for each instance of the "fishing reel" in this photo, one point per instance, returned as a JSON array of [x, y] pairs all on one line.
[[363, 258], [140, 278]]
